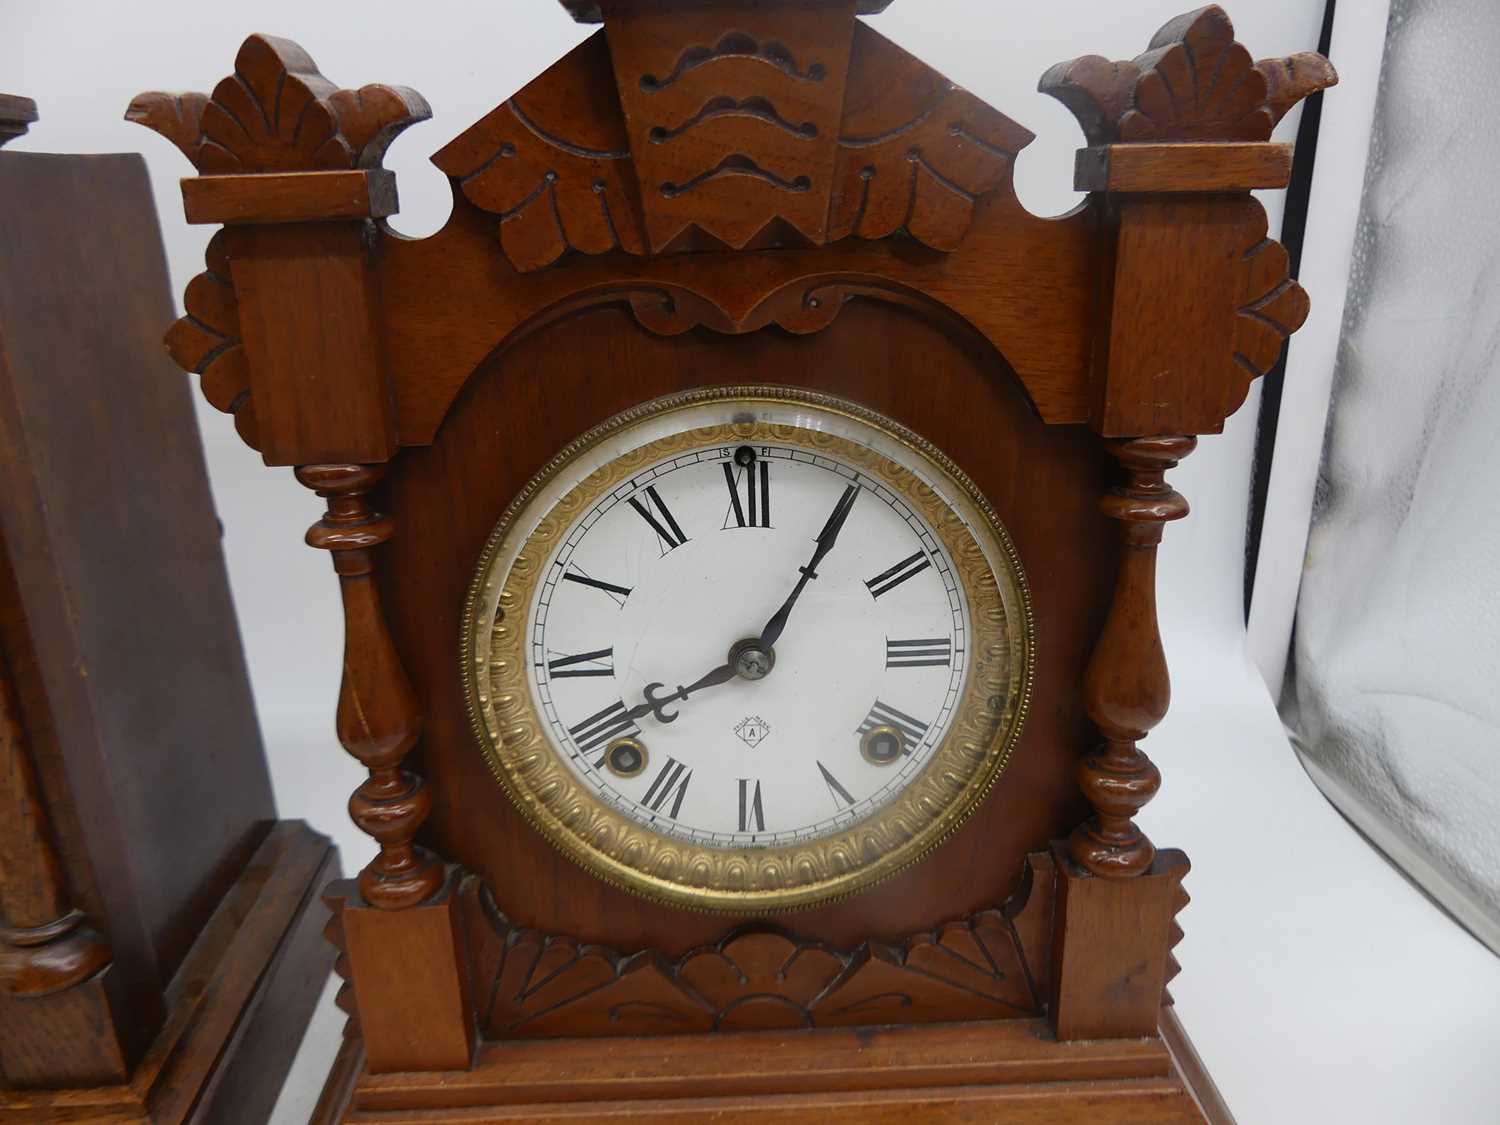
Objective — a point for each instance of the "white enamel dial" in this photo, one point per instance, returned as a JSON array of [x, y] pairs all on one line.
[[748, 649], [658, 579]]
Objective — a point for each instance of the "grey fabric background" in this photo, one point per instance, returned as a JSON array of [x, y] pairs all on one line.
[[1394, 692]]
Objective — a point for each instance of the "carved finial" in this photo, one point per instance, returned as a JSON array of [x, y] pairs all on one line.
[[277, 113], [1195, 83], [16, 115]]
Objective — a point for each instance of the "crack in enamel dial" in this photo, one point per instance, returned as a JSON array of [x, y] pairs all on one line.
[[748, 650]]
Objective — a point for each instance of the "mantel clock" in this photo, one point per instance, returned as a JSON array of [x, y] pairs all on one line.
[[746, 517]]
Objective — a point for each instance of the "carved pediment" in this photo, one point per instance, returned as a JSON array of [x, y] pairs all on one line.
[[720, 135]]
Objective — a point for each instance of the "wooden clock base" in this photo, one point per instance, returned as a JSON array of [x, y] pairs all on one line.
[[236, 1009], [1007, 1070]]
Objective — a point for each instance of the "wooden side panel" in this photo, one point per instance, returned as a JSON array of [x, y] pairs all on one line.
[[133, 651], [535, 398]]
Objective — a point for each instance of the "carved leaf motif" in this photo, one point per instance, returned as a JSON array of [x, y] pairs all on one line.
[[206, 342], [1195, 83], [761, 977], [554, 164], [277, 113], [915, 152]]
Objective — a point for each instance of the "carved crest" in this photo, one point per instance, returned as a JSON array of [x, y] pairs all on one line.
[[276, 113], [723, 136], [1194, 83]]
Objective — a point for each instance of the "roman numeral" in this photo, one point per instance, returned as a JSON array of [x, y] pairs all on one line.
[[884, 715], [754, 510], [888, 580], [835, 790], [617, 594], [750, 806], [671, 779], [602, 728], [668, 534], [929, 653], [565, 666]]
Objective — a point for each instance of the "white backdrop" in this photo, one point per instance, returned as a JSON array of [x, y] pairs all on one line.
[[1293, 914]]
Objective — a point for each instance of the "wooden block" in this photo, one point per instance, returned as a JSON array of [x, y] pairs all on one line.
[[1201, 303], [409, 975], [1110, 944], [290, 197], [84, 1016], [1183, 167], [309, 318]]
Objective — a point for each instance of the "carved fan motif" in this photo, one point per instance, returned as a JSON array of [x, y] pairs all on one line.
[[1195, 83], [991, 965], [206, 342], [277, 113]]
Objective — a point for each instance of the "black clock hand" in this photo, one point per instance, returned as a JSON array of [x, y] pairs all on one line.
[[826, 539], [657, 707]]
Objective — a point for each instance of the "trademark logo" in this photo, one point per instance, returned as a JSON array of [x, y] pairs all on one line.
[[752, 730]]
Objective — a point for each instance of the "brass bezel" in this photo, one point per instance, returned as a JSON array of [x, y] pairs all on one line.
[[748, 881]]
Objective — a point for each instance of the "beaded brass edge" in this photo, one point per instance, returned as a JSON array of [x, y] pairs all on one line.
[[749, 881]]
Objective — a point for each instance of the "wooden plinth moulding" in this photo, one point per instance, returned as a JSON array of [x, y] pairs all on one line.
[[698, 199]]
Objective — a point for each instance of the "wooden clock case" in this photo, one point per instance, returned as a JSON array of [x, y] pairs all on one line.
[[161, 947], [728, 193]]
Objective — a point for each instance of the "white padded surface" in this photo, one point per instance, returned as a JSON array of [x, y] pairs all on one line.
[[1397, 643]]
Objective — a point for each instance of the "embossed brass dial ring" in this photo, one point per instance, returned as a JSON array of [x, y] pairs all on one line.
[[651, 546]]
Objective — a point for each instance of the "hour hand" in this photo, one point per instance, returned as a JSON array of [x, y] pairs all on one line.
[[657, 707]]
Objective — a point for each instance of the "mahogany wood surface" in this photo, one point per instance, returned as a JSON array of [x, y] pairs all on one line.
[[1043, 481], [118, 599]]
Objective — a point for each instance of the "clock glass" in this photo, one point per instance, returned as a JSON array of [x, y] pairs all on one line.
[[748, 649]]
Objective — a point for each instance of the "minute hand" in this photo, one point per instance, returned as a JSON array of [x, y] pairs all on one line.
[[826, 539]]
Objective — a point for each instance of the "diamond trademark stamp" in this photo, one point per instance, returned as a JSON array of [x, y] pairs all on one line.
[[752, 730]]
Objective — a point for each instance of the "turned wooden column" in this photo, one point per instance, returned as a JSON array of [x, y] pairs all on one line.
[[378, 718], [1126, 688], [46, 944], [400, 950]]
